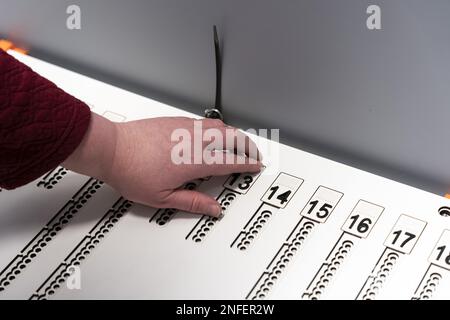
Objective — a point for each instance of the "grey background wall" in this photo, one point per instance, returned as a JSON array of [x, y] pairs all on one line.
[[378, 100]]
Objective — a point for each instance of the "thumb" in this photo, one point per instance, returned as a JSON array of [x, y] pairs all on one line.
[[194, 201]]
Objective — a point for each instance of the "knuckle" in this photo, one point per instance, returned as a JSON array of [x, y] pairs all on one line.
[[194, 204]]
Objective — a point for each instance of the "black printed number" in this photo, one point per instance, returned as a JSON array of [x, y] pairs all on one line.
[[362, 226], [409, 236], [324, 210], [282, 197], [244, 184], [442, 256]]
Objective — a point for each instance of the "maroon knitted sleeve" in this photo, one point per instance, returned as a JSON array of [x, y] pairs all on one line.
[[40, 124]]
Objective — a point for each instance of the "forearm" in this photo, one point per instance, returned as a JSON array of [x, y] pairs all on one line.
[[40, 124]]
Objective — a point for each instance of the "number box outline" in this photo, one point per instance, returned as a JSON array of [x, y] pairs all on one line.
[[431, 260], [309, 200], [375, 222], [267, 190], [393, 227]]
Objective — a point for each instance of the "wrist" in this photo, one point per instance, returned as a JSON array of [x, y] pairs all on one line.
[[95, 155]]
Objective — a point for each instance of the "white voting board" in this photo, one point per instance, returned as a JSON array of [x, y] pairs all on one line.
[[311, 229]]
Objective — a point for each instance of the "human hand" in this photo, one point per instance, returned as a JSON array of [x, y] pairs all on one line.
[[136, 158]]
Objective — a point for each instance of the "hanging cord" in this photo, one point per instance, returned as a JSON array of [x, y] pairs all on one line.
[[216, 111]]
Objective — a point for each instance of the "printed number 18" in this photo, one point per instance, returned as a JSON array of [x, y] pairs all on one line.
[[441, 250]]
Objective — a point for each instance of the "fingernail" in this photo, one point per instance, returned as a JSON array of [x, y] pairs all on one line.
[[260, 156], [261, 166], [215, 210]]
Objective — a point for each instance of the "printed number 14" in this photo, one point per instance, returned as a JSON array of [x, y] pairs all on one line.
[[282, 197]]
